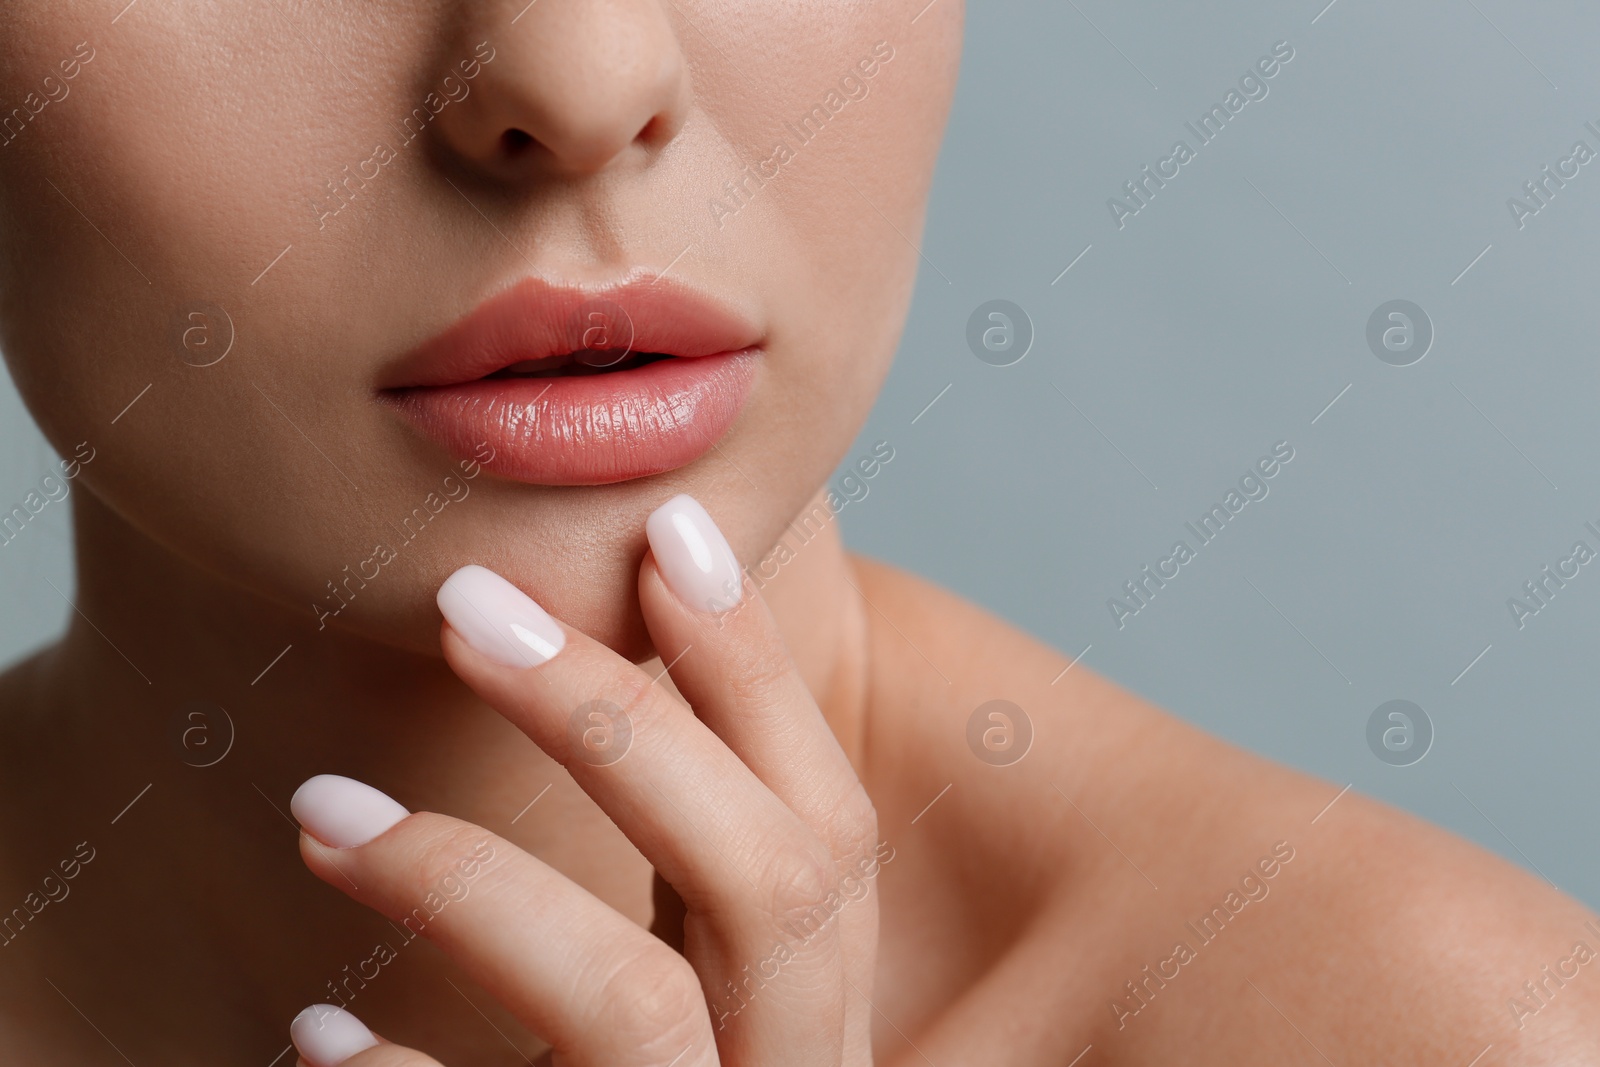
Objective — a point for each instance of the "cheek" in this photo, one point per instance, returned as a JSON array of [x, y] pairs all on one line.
[[845, 212], [163, 181], [159, 190]]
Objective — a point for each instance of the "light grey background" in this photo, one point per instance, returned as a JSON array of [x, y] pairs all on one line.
[[1223, 318]]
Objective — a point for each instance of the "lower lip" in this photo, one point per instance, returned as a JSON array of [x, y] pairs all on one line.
[[591, 429]]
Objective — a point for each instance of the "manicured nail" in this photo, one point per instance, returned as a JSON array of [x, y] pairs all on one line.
[[693, 556], [326, 1035], [497, 619], [342, 812]]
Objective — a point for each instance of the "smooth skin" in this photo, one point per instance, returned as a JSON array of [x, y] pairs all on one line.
[[184, 166], [755, 860]]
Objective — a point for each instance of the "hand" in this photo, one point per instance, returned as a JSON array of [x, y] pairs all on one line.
[[746, 806]]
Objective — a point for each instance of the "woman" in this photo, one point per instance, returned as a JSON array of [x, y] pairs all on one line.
[[450, 393]]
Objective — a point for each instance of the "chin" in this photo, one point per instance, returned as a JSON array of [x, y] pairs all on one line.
[[605, 609]]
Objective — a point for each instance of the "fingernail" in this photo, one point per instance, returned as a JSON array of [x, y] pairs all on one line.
[[497, 619], [693, 556], [325, 1035], [342, 812]]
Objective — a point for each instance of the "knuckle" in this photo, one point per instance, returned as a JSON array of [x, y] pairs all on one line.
[[852, 826], [636, 693], [655, 1004], [649, 707], [762, 675], [622, 703], [802, 883], [446, 856]]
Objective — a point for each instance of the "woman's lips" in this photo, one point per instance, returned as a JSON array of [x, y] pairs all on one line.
[[581, 387], [588, 429]]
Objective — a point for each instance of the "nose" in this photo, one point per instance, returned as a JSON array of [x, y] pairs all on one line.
[[566, 87]]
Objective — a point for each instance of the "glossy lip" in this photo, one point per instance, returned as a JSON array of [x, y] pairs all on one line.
[[590, 429]]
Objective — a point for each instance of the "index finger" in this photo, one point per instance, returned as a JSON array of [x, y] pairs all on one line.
[[729, 660]]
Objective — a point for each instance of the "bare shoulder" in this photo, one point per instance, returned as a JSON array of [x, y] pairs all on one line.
[[1114, 880]]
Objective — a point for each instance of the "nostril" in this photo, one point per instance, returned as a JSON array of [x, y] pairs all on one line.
[[515, 142], [657, 129]]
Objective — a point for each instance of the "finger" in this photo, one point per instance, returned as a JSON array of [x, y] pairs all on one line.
[[735, 853], [390, 1055], [601, 990], [708, 824], [730, 662], [326, 1035]]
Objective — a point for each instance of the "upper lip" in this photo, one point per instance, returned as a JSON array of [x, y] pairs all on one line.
[[537, 319]]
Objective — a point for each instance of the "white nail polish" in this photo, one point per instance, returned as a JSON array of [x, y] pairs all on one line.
[[693, 556], [326, 1035], [499, 620], [342, 812]]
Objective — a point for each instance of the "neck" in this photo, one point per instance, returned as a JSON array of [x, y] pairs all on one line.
[[171, 677]]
